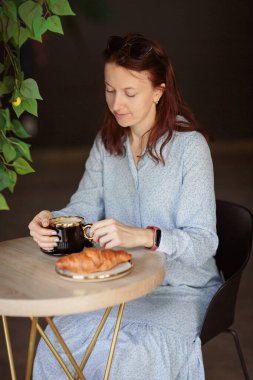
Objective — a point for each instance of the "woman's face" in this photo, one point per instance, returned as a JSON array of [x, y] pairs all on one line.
[[131, 97]]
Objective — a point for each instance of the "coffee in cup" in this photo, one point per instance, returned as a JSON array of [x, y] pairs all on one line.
[[72, 232]]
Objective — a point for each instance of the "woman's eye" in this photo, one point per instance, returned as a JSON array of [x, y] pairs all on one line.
[[110, 91], [130, 95]]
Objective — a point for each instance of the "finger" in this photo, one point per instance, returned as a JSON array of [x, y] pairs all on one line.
[[36, 228], [45, 231], [104, 240], [47, 249], [111, 244], [41, 221], [109, 238], [47, 246], [43, 217], [105, 230], [46, 239], [101, 224]]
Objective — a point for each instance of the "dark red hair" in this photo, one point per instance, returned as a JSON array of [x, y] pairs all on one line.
[[171, 104]]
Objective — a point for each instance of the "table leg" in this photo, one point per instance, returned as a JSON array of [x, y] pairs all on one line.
[[65, 347], [114, 340], [9, 348], [94, 340], [31, 348], [51, 347], [35, 326]]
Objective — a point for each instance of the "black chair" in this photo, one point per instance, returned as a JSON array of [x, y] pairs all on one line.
[[234, 229]]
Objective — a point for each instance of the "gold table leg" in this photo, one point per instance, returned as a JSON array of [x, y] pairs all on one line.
[[65, 347], [35, 326], [31, 349], [51, 347], [94, 340], [114, 340], [9, 348]]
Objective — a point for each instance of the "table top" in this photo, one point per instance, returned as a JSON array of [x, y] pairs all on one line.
[[30, 286]]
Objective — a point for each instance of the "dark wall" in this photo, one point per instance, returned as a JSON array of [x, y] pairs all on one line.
[[210, 43]]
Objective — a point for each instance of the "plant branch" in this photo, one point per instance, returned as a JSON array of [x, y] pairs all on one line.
[[4, 162], [12, 59]]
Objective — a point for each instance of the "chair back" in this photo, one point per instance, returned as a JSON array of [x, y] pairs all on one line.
[[234, 229]]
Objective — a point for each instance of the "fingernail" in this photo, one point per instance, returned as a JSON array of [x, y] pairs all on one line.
[[56, 239], [53, 232], [45, 223]]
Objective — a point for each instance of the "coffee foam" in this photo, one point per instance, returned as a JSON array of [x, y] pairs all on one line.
[[66, 220]]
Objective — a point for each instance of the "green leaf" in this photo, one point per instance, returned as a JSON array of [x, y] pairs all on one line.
[[18, 129], [24, 149], [1, 68], [9, 151], [3, 203], [13, 30], [9, 82], [39, 28], [5, 121], [22, 167], [10, 9], [13, 179], [3, 89], [60, 7], [29, 89], [7, 85], [8, 178], [54, 24], [2, 122], [19, 109], [28, 11], [30, 105], [24, 34], [4, 178]]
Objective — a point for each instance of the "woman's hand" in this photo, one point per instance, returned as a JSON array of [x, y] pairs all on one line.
[[45, 237], [110, 233]]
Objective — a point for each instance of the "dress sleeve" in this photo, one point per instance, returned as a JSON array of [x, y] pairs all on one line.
[[88, 201], [194, 239]]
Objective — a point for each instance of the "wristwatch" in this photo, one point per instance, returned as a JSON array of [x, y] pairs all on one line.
[[156, 237]]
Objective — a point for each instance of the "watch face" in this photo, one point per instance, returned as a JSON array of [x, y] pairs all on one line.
[[158, 237]]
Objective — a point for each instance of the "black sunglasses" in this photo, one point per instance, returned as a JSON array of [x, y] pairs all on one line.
[[136, 50]]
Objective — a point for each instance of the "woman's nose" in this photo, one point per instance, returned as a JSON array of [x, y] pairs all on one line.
[[117, 102]]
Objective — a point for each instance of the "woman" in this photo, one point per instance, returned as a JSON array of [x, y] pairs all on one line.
[[149, 166]]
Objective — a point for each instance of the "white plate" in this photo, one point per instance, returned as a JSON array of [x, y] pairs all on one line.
[[116, 272]]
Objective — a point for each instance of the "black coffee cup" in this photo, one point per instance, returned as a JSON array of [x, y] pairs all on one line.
[[72, 233]]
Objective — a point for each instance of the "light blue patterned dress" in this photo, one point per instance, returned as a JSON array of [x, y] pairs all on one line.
[[159, 334]]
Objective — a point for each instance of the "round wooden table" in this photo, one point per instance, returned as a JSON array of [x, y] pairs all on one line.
[[30, 287]]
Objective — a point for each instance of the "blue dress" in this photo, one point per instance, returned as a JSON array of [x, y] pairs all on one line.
[[159, 334]]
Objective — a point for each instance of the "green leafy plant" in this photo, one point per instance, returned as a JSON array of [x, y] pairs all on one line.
[[19, 21]]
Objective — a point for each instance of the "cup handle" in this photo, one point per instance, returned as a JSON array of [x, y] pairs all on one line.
[[85, 227]]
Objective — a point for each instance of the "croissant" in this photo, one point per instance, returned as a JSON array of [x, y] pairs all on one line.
[[93, 260]]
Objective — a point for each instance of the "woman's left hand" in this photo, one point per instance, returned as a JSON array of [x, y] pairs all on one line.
[[110, 233]]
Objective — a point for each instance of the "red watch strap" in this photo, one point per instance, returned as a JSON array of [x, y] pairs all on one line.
[[154, 246]]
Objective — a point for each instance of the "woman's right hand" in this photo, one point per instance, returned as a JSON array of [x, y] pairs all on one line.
[[43, 236]]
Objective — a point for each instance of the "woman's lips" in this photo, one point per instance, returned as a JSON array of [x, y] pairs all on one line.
[[119, 115]]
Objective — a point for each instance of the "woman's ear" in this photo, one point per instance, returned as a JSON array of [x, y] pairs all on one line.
[[159, 92], [162, 87]]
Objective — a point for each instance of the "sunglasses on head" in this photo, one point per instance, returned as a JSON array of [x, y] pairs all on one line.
[[136, 50]]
